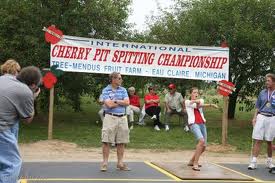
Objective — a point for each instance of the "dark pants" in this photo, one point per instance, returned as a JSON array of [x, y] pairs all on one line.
[[154, 110]]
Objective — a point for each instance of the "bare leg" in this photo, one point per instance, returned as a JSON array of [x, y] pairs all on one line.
[[120, 153], [193, 157], [256, 148], [199, 150], [269, 149], [105, 152]]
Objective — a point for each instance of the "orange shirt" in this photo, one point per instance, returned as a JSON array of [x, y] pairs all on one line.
[[150, 97]]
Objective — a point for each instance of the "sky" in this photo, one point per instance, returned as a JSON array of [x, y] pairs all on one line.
[[144, 8]]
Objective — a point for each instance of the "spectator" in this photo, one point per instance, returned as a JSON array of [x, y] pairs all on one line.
[[263, 122], [11, 68], [134, 106], [101, 111], [16, 101], [174, 104], [115, 127], [152, 107]]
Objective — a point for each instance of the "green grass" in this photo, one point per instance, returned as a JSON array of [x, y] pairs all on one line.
[[81, 128]]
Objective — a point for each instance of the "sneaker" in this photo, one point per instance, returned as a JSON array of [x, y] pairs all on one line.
[[154, 117], [157, 128], [141, 123], [252, 166], [166, 128], [186, 128], [131, 127], [269, 164], [103, 168]]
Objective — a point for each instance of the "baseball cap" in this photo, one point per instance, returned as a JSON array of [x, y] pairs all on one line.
[[172, 86]]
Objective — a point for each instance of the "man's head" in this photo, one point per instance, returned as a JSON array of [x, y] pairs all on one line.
[[10, 67], [270, 81], [115, 78], [172, 88], [131, 90], [31, 76]]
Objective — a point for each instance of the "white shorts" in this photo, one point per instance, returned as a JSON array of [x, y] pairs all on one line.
[[264, 128]]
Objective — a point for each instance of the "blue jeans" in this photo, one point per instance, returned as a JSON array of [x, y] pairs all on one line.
[[10, 160], [199, 131], [15, 130]]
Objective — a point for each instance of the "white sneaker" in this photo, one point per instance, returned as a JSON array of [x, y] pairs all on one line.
[[166, 128], [186, 128], [156, 128], [131, 127], [252, 166], [269, 164], [154, 117]]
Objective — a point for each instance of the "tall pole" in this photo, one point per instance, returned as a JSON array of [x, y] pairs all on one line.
[[225, 120], [50, 126]]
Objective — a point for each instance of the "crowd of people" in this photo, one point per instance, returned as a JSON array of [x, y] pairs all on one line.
[[20, 87], [173, 104]]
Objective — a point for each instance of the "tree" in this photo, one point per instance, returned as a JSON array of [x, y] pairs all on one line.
[[22, 38], [247, 26]]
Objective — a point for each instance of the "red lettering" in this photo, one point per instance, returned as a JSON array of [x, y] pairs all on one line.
[[67, 54], [80, 53], [54, 51], [73, 55]]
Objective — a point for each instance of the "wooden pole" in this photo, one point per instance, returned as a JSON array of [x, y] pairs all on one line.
[[50, 126], [225, 120]]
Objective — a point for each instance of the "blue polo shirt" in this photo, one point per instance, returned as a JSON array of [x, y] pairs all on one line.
[[118, 94], [262, 100]]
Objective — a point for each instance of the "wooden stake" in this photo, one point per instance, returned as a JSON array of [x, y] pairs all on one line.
[[50, 126], [225, 120]]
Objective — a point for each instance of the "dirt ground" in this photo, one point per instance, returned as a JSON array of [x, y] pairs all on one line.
[[56, 150]]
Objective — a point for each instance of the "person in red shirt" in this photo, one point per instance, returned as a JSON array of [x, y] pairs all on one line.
[[196, 121], [134, 106], [152, 107]]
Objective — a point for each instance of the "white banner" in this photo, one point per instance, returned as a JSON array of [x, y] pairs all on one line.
[[77, 54]]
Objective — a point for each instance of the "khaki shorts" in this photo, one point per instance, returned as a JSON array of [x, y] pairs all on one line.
[[115, 130]]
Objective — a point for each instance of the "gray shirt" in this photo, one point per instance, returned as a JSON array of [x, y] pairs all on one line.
[[16, 101], [174, 101]]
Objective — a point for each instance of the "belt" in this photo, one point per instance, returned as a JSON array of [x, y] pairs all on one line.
[[267, 114], [117, 115]]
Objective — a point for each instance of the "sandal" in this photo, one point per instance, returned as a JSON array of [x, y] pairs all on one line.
[[196, 168], [123, 167], [103, 168], [191, 164]]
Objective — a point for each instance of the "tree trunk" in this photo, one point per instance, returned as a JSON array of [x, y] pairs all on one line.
[[232, 105]]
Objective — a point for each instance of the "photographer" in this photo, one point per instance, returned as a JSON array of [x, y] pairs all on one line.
[[16, 102]]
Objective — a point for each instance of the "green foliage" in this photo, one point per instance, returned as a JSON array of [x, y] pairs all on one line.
[[22, 38], [247, 25]]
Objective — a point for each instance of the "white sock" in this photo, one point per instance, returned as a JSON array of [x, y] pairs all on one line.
[[269, 159], [254, 159]]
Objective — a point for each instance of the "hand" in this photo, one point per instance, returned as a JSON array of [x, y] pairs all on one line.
[[253, 121], [215, 106], [36, 93]]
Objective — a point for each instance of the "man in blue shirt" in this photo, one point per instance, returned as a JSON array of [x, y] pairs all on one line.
[[115, 126], [264, 122]]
